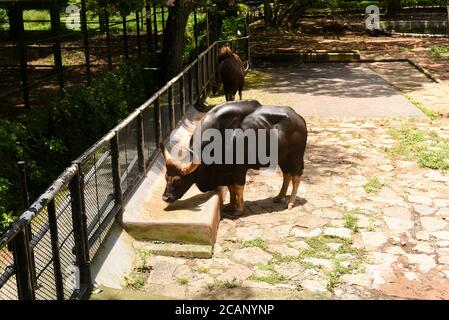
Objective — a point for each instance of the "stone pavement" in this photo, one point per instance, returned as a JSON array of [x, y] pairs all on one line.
[[367, 226]]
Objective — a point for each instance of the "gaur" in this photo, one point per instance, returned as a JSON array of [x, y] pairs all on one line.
[[246, 114]]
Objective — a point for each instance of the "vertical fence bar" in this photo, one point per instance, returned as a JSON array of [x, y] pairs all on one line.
[[125, 38], [156, 45], [195, 32], [86, 40], [79, 220], [157, 121], [150, 46], [115, 156], [190, 86], [171, 108], [140, 144], [18, 21], [23, 262], [53, 225], [55, 28], [182, 94], [108, 37], [23, 185], [207, 27], [198, 76], [204, 74], [139, 49]]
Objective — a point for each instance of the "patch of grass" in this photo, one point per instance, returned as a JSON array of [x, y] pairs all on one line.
[[333, 280], [183, 281], [427, 148], [203, 269], [225, 284], [136, 281], [371, 227], [266, 266], [273, 278], [226, 249], [255, 78], [142, 261], [432, 115], [373, 185], [351, 222], [439, 51], [258, 242]]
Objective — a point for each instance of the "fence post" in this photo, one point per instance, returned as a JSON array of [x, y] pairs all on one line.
[[125, 38], [53, 225], [190, 88], [80, 236], [55, 28], [248, 53], [198, 76], [23, 185], [118, 198], [86, 39], [182, 94], [108, 37], [171, 108], [139, 50], [23, 262], [155, 28], [157, 121], [140, 144], [150, 46]]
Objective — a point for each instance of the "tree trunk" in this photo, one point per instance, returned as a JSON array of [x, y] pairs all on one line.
[[268, 13], [173, 42], [393, 8]]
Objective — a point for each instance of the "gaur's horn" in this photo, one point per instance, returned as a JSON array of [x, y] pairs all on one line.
[[247, 67], [187, 168]]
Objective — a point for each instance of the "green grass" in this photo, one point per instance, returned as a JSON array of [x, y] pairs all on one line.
[[439, 51], [258, 242], [273, 278], [427, 148], [224, 284], [351, 221], [432, 115], [267, 266], [183, 281], [373, 185]]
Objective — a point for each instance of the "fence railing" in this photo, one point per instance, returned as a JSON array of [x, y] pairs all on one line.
[[46, 253]]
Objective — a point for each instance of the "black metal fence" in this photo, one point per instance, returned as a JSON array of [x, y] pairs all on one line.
[[46, 253]]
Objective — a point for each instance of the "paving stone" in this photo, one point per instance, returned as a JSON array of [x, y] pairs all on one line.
[[443, 243], [252, 255], [344, 233], [359, 279], [300, 245], [238, 272], [373, 240], [398, 224], [334, 246], [443, 255], [248, 233], [439, 203], [422, 235], [328, 213], [305, 233], [423, 247], [423, 210], [386, 195], [311, 221], [327, 264], [314, 286], [283, 250], [163, 269], [433, 224], [436, 176], [322, 203], [423, 261], [441, 235], [394, 250], [289, 269], [420, 199], [443, 212], [397, 212]]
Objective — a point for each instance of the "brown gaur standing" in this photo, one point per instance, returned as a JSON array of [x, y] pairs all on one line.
[[230, 72]]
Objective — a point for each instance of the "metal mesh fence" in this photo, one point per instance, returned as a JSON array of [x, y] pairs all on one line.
[[8, 286], [127, 137], [149, 134]]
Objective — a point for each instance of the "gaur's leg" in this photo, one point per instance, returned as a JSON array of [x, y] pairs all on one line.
[[239, 207], [287, 178], [240, 94], [296, 180], [231, 206]]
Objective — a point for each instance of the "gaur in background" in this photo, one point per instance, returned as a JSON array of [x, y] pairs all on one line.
[[246, 114], [334, 27], [230, 72]]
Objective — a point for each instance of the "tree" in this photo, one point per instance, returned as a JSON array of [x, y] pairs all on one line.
[[392, 8]]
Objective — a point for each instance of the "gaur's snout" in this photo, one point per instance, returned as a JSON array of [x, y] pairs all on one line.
[[169, 198]]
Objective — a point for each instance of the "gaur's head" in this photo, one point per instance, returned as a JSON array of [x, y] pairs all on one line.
[[179, 177]]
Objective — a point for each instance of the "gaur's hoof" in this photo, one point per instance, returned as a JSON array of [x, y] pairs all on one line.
[[277, 199], [229, 208], [290, 205], [239, 213]]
